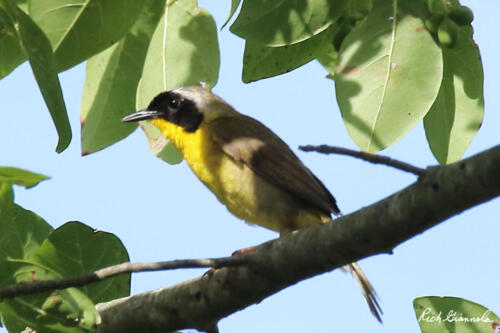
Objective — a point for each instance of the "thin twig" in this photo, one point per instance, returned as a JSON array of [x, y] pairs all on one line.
[[377, 159], [25, 288]]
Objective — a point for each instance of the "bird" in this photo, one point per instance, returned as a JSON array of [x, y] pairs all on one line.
[[249, 168]]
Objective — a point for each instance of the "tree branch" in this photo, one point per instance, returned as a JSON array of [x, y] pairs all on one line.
[[25, 288], [372, 158], [438, 194]]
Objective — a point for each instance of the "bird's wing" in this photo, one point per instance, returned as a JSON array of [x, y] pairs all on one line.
[[248, 141]]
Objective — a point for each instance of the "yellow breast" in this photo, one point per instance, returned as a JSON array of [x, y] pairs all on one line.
[[244, 193], [205, 157]]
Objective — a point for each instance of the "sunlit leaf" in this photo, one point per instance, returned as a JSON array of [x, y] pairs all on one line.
[[111, 83], [82, 28], [285, 22], [21, 177], [389, 74]]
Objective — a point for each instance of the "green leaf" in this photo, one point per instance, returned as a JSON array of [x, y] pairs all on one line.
[[260, 62], [22, 233], [71, 250], [453, 315], [21, 177], [285, 22], [24, 257], [440, 7], [41, 58], [111, 83], [76, 249], [329, 56], [72, 306], [11, 51], [457, 113], [22, 4], [360, 7], [6, 199], [389, 74], [159, 145], [234, 5], [82, 28], [67, 310], [183, 51]]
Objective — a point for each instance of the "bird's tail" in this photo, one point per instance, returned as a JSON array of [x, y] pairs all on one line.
[[366, 288]]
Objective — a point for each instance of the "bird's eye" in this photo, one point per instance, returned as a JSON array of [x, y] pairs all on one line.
[[174, 103]]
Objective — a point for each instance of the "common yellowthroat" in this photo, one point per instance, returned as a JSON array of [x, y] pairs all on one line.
[[248, 167]]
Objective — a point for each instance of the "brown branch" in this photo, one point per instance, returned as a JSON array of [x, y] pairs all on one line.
[[436, 196], [25, 288], [372, 158], [440, 193]]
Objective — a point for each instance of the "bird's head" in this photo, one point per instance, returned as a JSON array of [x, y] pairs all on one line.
[[187, 107]]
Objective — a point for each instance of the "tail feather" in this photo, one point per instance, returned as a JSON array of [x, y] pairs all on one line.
[[366, 289]]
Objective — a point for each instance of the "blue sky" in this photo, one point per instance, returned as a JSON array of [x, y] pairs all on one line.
[[163, 212]]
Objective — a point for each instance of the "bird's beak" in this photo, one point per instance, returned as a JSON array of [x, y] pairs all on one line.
[[142, 115]]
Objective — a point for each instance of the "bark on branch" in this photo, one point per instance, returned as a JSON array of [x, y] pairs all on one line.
[[440, 193]]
